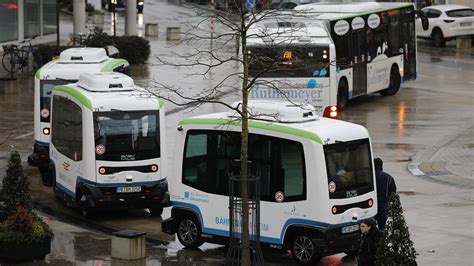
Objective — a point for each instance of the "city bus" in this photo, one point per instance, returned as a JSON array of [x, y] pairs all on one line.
[[107, 145], [328, 54], [316, 179], [66, 69]]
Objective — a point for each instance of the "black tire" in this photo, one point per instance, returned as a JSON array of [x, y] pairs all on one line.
[[82, 203], [46, 177], [288, 6], [438, 38], [342, 95], [304, 250], [395, 81], [189, 232], [56, 192], [156, 211], [9, 64]]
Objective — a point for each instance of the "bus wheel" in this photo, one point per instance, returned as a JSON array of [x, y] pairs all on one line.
[[438, 38], [304, 250], [342, 93], [156, 211], [189, 232], [394, 85]]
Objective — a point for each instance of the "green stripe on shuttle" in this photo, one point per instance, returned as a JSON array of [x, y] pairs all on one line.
[[38, 73], [161, 102], [113, 64], [74, 93], [253, 124], [371, 12]]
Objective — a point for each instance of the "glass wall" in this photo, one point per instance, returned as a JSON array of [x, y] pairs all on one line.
[[49, 16], [8, 20], [32, 18]]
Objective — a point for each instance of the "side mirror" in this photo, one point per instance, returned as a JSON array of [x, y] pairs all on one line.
[[424, 19]]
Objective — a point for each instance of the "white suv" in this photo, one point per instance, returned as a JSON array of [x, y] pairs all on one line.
[[446, 22]]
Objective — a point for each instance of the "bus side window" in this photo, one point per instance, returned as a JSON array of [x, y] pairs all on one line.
[[67, 124], [195, 159]]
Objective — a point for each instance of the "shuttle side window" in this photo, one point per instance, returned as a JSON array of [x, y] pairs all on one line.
[[211, 156], [66, 133]]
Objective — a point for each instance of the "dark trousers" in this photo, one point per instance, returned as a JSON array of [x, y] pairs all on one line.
[[382, 216]]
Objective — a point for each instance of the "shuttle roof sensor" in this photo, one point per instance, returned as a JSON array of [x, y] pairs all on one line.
[[105, 82]]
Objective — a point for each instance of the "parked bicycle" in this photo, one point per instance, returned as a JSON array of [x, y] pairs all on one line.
[[15, 57]]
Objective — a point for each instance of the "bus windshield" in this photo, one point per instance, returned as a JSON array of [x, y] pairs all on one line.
[[303, 61], [45, 99], [349, 168], [127, 135]]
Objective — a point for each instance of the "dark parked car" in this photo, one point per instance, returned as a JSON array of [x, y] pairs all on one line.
[[111, 4]]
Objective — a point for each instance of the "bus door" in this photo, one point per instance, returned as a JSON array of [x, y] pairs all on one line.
[[359, 62], [409, 46]]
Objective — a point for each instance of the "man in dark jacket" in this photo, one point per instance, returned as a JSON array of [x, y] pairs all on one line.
[[385, 186]]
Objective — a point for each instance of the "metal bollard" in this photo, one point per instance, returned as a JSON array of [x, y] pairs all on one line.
[[173, 33], [128, 245], [151, 29], [464, 42]]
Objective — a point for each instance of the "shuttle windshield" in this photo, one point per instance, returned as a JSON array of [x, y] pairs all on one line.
[[349, 168], [127, 135]]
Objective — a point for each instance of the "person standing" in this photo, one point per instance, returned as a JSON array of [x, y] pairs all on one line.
[[369, 242], [385, 187]]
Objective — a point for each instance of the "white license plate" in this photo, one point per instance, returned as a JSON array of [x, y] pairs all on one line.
[[466, 24], [129, 189], [350, 229]]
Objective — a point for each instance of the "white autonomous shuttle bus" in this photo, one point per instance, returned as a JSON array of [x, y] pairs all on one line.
[[316, 179], [106, 149], [327, 54], [66, 69]]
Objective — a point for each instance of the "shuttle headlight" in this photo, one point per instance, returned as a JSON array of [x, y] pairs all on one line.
[[334, 210], [154, 168], [46, 131]]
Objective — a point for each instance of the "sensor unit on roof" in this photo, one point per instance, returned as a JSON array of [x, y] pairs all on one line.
[[83, 55], [106, 82], [278, 111]]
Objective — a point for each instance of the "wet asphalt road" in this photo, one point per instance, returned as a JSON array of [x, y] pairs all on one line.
[[435, 108]]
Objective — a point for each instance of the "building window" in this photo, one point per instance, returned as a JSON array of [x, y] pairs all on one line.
[[32, 18], [8, 20], [49, 16]]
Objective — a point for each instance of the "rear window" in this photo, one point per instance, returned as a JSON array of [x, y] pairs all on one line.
[[458, 13]]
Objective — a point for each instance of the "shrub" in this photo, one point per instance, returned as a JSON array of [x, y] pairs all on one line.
[[18, 223], [396, 247], [134, 49], [15, 188]]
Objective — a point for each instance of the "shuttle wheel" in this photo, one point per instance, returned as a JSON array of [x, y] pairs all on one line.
[[304, 250], [394, 85], [342, 95], [83, 198], [189, 232]]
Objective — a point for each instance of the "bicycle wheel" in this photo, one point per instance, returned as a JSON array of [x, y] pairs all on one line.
[[9, 63]]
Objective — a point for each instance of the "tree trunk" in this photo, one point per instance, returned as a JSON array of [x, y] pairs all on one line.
[[244, 154]]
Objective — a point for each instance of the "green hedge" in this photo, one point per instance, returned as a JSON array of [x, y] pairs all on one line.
[[134, 49]]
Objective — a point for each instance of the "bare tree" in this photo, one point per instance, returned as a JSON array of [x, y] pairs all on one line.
[[207, 52]]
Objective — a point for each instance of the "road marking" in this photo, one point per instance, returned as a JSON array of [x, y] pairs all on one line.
[[24, 135]]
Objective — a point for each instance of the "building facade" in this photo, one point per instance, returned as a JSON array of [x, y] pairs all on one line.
[[24, 19]]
